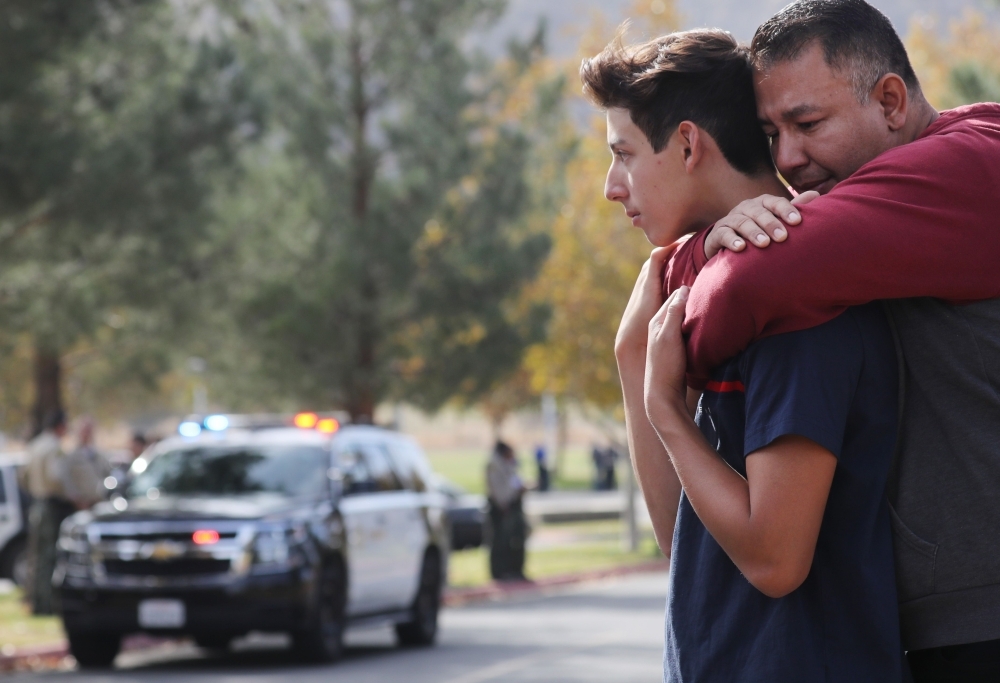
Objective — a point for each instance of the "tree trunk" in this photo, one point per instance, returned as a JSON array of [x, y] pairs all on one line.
[[362, 399], [363, 393], [48, 388]]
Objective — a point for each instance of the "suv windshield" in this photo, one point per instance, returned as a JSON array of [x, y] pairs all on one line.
[[293, 471]]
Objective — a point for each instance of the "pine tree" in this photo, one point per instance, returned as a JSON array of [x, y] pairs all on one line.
[[113, 121], [391, 266]]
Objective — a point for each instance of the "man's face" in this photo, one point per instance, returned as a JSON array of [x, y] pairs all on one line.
[[648, 184], [820, 134]]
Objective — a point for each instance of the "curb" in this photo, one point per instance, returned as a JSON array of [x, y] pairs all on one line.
[[454, 597], [34, 658], [56, 655]]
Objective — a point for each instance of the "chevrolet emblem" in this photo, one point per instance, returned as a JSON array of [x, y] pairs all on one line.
[[162, 551]]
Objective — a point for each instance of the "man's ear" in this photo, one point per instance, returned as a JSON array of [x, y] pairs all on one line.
[[891, 94], [690, 144]]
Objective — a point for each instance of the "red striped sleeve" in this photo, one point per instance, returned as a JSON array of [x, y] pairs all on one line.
[[724, 387]]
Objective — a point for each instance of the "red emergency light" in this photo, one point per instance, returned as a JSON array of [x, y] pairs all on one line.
[[205, 537]]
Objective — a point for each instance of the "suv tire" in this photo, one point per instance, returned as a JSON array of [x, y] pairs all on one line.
[[323, 639], [422, 630], [216, 642], [94, 650]]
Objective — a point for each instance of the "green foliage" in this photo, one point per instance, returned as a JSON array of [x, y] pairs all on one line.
[[389, 264], [112, 127], [333, 202], [972, 82]]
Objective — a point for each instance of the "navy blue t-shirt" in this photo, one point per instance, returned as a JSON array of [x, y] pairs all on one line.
[[835, 384]]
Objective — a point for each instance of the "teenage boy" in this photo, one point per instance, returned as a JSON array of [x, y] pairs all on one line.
[[909, 211], [771, 503]]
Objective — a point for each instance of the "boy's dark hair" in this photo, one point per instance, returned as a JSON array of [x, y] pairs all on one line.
[[856, 38], [702, 76]]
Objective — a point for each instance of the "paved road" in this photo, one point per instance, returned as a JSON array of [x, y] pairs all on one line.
[[609, 631]]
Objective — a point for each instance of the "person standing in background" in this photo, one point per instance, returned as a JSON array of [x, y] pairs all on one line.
[[138, 444], [510, 530], [86, 470], [119, 463], [610, 475], [45, 480], [544, 482]]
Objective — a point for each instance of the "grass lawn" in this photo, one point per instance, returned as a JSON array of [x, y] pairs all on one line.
[[18, 628], [467, 468], [560, 549]]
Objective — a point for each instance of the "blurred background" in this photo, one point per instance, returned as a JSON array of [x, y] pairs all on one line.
[[388, 208]]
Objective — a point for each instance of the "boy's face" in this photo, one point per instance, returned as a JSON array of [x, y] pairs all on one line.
[[653, 187], [820, 133]]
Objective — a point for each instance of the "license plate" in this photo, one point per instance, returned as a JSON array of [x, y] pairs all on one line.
[[162, 614]]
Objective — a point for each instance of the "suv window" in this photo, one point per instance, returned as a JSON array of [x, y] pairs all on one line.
[[409, 464], [293, 471], [357, 478], [366, 468]]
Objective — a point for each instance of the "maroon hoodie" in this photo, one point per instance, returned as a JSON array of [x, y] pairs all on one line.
[[920, 220]]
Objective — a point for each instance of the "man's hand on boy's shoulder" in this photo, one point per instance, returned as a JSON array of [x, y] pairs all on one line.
[[756, 221], [645, 301]]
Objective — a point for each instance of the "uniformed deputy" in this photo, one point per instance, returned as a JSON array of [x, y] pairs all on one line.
[[86, 470], [45, 477], [510, 529]]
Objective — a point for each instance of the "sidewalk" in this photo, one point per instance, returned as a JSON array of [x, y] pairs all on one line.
[[454, 597]]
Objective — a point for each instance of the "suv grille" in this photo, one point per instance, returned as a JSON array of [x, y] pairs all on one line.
[[180, 567], [182, 536]]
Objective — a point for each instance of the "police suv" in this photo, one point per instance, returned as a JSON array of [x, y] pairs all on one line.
[[237, 525]]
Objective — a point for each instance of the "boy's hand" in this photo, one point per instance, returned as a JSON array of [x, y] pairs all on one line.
[[757, 221], [646, 299], [666, 359]]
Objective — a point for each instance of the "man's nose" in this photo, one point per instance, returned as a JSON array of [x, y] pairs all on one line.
[[788, 155]]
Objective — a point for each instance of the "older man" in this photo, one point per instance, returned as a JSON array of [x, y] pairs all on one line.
[[908, 211]]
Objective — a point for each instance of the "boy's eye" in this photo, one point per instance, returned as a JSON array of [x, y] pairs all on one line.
[[808, 125]]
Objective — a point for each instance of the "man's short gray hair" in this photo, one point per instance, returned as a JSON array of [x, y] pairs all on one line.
[[856, 39]]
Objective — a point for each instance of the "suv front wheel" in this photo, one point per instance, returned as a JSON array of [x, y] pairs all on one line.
[[94, 650], [323, 639], [422, 630]]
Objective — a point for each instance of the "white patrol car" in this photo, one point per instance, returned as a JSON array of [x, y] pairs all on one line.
[[13, 522], [227, 530]]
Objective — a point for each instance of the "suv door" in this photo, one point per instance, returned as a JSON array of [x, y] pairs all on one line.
[[407, 526], [359, 508]]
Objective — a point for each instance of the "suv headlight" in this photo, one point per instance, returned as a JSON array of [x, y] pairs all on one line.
[[270, 548], [74, 547], [278, 548]]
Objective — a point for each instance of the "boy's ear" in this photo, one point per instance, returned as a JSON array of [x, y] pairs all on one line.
[[690, 144]]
